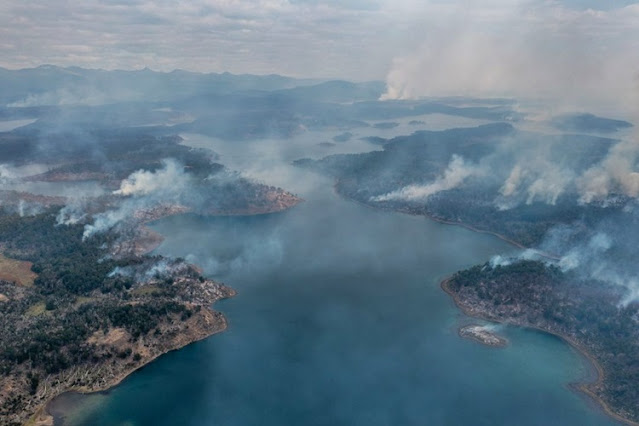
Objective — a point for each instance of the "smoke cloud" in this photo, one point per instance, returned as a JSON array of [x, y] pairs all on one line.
[[103, 222], [539, 180], [616, 173], [602, 252], [141, 192], [522, 48], [454, 175], [169, 179]]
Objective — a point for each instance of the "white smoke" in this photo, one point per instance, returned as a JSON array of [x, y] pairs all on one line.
[[165, 268], [454, 175], [528, 254], [76, 95], [521, 48], [511, 186], [72, 213], [152, 270], [142, 191], [549, 186], [169, 179], [616, 173], [499, 260], [592, 261], [9, 172], [121, 271], [536, 179], [104, 221], [586, 255]]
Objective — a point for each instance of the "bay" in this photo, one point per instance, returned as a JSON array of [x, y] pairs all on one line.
[[339, 320]]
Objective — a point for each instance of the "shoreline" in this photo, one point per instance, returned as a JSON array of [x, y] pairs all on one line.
[[550, 256], [491, 339], [584, 388], [43, 417]]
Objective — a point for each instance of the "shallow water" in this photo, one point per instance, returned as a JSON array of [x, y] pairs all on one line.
[[339, 320], [9, 125]]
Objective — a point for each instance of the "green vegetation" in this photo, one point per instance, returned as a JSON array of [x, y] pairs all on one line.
[[49, 328], [423, 157], [588, 312]]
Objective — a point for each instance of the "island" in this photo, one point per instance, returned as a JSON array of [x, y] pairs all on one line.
[[482, 334]]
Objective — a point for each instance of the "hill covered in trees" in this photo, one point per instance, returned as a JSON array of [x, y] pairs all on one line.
[[592, 315], [89, 319]]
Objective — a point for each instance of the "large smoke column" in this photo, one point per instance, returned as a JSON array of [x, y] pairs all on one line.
[[532, 49], [522, 48], [615, 174], [454, 175]]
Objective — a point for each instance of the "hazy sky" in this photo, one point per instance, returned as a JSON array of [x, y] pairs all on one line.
[[408, 41]]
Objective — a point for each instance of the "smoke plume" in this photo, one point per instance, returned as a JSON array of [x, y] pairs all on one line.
[[454, 175], [169, 179], [523, 49], [616, 173]]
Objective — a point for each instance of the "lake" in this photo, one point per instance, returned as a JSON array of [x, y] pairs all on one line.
[[340, 320]]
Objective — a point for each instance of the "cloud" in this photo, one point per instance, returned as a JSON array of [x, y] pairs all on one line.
[[250, 36], [352, 39]]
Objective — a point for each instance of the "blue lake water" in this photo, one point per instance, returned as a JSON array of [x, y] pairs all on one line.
[[340, 320]]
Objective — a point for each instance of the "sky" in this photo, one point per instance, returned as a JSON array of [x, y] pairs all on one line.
[[420, 47]]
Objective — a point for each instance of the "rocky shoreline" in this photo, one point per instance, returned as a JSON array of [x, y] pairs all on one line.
[[482, 334], [175, 334], [588, 389]]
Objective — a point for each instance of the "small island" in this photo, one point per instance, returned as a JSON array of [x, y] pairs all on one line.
[[482, 334], [589, 315]]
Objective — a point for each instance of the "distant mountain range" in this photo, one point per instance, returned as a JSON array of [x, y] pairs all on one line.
[[52, 85]]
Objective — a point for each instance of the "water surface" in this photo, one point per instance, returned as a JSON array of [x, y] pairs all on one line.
[[339, 320]]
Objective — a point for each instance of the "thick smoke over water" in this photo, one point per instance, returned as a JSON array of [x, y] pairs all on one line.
[[454, 175]]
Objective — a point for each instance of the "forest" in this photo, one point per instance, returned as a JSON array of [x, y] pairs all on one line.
[[591, 314], [81, 292]]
